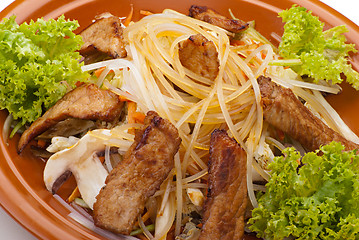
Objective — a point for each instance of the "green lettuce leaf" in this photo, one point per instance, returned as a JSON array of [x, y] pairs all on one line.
[[323, 54], [38, 63], [315, 198]]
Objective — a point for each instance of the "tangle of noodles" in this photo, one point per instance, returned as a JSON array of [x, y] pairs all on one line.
[[152, 76]]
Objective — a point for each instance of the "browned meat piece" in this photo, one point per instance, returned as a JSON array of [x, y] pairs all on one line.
[[209, 15], [145, 166], [200, 56], [227, 199], [84, 102], [105, 36], [284, 111]]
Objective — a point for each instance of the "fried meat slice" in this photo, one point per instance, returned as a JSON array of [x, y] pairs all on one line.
[[200, 56], [210, 16], [84, 102], [283, 110], [137, 177], [104, 35], [227, 199]]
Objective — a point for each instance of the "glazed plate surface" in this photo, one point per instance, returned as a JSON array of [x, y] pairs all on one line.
[[22, 191]]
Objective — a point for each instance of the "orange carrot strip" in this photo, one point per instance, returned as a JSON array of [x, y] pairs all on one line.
[[139, 117], [235, 42], [99, 71], [75, 194], [129, 17], [146, 13], [123, 99], [263, 55], [131, 109], [145, 217]]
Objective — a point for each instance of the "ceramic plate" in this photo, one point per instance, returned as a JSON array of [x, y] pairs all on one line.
[[22, 191]]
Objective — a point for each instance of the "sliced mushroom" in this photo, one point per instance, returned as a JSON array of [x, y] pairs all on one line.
[[81, 160]]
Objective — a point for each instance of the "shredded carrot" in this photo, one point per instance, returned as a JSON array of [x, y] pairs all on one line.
[[257, 59], [139, 117], [146, 13], [263, 55], [41, 143], [129, 17], [102, 159], [123, 99], [99, 71], [243, 75], [131, 109], [235, 42], [75, 194], [145, 217]]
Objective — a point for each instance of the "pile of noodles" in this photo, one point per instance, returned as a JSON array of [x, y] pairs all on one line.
[[153, 77]]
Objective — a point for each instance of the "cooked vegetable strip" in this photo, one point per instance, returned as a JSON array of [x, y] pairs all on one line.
[[75, 194], [283, 110], [166, 215], [226, 201], [85, 102], [129, 17], [145, 166], [7, 128]]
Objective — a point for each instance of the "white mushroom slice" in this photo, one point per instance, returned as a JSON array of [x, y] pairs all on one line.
[[81, 160]]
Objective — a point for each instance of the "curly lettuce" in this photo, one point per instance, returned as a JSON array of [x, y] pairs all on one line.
[[315, 198], [38, 63], [323, 54]]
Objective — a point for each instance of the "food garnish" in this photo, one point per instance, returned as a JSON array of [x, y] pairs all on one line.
[[320, 55], [310, 197], [38, 64]]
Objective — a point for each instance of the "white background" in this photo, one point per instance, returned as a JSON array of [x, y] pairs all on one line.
[[11, 230]]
